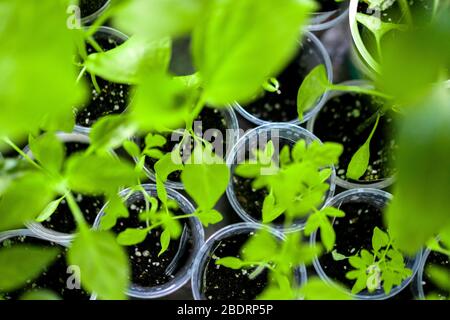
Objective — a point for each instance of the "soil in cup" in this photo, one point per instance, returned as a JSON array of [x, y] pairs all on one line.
[[222, 283], [149, 270], [339, 121], [281, 106], [429, 286], [112, 98], [88, 7], [62, 219], [58, 277]]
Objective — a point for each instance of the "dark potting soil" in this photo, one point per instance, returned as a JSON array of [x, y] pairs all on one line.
[[328, 5], [62, 219], [222, 283], [113, 97], [88, 7], [211, 119], [338, 121], [353, 233], [429, 286], [149, 270], [57, 277], [250, 199], [282, 106]]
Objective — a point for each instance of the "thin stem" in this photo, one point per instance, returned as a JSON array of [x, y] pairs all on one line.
[[76, 212], [357, 89], [95, 83], [406, 11], [374, 117], [94, 43], [82, 72], [196, 111], [23, 154]]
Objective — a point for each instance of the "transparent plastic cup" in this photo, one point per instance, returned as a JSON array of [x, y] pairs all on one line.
[[229, 231], [379, 199], [256, 138], [383, 183], [92, 17], [328, 19], [418, 282], [38, 228], [232, 124], [102, 32], [184, 274], [315, 46]]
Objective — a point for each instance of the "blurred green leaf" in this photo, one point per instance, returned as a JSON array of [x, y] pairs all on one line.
[[235, 52], [98, 174], [126, 63], [21, 264], [41, 294], [49, 151], [24, 199], [49, 210], [260, 247], [209, 217], [316, 289], [103, 264], [36, 64], [130, 237], [110, 132]]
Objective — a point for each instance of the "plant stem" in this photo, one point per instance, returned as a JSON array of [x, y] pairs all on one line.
[[406, 11], [82, 72], [76, 212], [95, 83], [94, 43], [23, 154], [374, 117], [357, 89], [195, 112]]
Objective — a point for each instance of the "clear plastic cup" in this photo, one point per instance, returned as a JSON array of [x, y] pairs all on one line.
[[38, 228], [92, 17], [253, 139], [232, 124], [377, 198], [231, 230], [321, 56], [369, 62], [184, 274], [418, 282], [326, 20], [108, 32], [382, 184]]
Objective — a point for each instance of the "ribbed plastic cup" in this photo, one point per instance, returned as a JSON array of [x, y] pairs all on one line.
[[322, 21]]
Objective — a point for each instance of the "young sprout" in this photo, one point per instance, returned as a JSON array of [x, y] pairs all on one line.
[[381, 267], [272, 85]]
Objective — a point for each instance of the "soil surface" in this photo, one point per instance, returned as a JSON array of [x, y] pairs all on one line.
[[149, 270], [429, 287], [113, 97], [353, 233], [89, 7], [339, 121], [328, 5], [62, 219], [222, 283], [211, 119], [282, 106], [56, 277]]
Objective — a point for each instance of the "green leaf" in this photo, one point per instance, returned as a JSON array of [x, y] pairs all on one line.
[[231, 262], [97, 174], [103, 263], [49, 210], [312, 88], [41, 294], [380, 239], [130, 237], [338, 256], [327, 234], [115, 208], [126, 63], [154, 140], [360, 284], [262, 246], [25, 198], [439, 276], [248, 170], [316, 289], [48, 150], [111, 132], [205, 177], [171, 162], [418, 211], [357, 262], [312, 223], [209, 217], [44, 97], [271, 210], [165, 241], [132, 148], [235, 52], [169, 17], [360, 160], [20, 264], [333, 212]]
